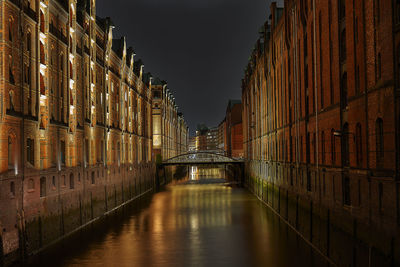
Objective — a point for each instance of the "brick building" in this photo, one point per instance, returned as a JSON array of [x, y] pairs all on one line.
[[75, 122], [321, 124], [234, 129], [170, 131]]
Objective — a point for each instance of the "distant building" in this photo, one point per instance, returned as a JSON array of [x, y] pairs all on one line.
[[234, 130], [221, 136], [206, 138], [212, 139], [230, 131], [192, 144]]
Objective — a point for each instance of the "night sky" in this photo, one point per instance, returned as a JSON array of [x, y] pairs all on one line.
[[200, 47]]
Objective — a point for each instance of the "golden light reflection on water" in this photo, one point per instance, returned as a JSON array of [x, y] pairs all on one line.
[[192, 224]]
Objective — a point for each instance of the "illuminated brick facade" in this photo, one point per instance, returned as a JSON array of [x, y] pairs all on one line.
[[75, 122], [170, 131], [321, 123]]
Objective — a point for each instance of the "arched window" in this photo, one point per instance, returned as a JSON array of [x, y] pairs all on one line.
[[379, 143], [93, 178], [71, 181], [43, 187], [345, 145], [358, 144], [28, 41], [10, 29], [53, 181]]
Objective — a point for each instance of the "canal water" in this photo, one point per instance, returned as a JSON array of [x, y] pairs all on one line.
[[200, 221]]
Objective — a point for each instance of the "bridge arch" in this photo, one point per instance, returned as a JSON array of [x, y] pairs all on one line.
[[200, 157]]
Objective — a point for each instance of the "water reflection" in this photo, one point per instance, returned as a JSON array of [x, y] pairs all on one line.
[[205, 172], [192, 225]]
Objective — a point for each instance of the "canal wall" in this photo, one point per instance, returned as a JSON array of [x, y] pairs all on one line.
[[72, 200], [318, 215]]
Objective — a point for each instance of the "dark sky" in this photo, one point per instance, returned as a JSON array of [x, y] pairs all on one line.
[[200, 47]]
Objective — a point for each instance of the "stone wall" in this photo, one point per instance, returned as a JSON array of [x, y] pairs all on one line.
[[45, 220], [319, 216]]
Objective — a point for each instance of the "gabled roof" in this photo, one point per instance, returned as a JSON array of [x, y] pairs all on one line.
[[157, 81]]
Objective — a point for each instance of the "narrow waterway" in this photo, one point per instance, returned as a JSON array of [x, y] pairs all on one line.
[[199, 222]]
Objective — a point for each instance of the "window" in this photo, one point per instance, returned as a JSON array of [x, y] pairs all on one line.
[[305, 52], [379, 66], [93, 178], [30, 151], [378, 11], [42, 22], [314, 143], [71, 181], [53, 181], [358, 144], [87, 151], [398, 61], [380, 197], [342, 9], [28, 41], [62, 152], [118, 152], [42, 54], [357, 79], [12, 189], [343, 46], [10, 29], [10, 153], [346, 191], [323, 147], [320, 60], [345, 145], [379, 143], [43, 187], [343, 88], [309, 187], [10, 70], [333, 147], [64, 181], [397, 11]]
